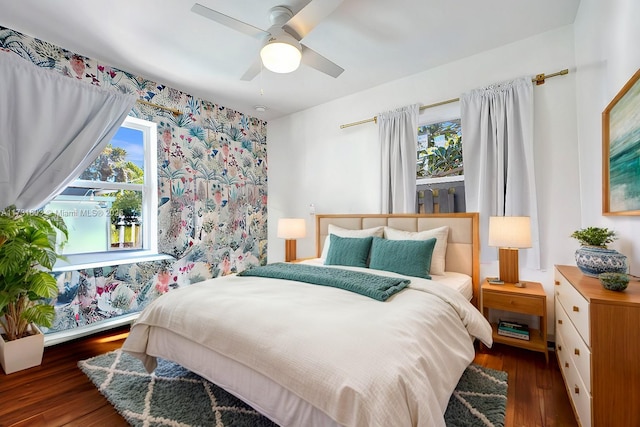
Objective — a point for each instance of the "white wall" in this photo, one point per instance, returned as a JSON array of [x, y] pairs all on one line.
[[311, 160], [607, 55]]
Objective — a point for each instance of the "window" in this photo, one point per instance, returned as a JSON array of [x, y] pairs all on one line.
[[110, 209], [440, 149], [440, 172]]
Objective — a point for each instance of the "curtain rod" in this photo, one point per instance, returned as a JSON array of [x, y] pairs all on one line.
[[539, 79], [162, 107]]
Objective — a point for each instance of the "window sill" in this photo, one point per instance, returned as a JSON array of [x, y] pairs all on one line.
[[83, 261], [54, 338], [454, 178]]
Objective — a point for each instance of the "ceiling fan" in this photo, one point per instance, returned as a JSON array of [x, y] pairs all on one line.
[[281, 42]]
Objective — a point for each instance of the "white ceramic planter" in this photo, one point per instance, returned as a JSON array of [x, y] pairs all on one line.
[[23, 353], [593, 260]]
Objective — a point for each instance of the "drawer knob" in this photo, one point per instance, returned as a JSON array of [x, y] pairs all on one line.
[[559, 321], [576, 352], [576, 308], [557, 282], [559, 348], [566, 364], [576, 389]]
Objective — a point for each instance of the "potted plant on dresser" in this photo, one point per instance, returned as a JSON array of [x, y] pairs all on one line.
[[27, 255], [593, 257]]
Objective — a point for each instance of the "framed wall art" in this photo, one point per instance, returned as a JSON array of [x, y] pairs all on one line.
[[621, 151]]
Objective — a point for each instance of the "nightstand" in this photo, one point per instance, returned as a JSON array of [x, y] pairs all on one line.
[[530, 300]]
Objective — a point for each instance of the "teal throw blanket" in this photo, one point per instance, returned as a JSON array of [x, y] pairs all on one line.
[[370, 285]]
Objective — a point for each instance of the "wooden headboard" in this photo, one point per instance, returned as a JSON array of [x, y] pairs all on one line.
[[463, 246]]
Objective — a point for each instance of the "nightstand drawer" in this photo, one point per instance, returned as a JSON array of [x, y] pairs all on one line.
[[516, 303]]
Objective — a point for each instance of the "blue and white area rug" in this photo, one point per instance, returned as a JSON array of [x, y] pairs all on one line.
[[174, 396]]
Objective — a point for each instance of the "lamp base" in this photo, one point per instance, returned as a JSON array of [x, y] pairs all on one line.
[[289, 250], [509, 265]]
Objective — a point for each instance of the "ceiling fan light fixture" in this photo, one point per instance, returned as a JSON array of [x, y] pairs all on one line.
[[281, 54]]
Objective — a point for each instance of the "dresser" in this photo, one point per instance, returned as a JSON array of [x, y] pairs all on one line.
[[597, 334]]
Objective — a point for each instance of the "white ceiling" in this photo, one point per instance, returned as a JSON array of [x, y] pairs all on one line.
[[375, 41]]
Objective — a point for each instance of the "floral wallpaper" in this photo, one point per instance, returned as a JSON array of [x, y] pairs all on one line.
[[212, 191]]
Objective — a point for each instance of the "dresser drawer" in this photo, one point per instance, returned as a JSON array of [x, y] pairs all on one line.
[[576, 390], [578, 354], [520, 304], [575, 305]]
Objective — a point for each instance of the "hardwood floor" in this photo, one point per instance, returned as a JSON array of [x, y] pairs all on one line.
[[536, 395], [57, 393]]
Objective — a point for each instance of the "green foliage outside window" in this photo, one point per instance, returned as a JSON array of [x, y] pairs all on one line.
[[440, 150], [111, 166], [128, 203]]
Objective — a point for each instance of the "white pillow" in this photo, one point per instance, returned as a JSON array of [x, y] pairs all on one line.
[[345, 232], [439, 252]]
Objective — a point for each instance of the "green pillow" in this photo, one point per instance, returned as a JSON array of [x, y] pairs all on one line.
[[408, 257], [350, 251]]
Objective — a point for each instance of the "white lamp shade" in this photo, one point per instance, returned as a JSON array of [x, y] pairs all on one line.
[[281, 54], [292, 228], [510, 231]]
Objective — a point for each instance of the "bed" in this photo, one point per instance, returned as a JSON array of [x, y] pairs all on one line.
[[309, 355]]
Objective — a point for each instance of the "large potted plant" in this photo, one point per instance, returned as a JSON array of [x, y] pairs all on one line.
[[28, 242], [593, 257]]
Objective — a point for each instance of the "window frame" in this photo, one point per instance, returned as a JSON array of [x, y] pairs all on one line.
[[149, 250]]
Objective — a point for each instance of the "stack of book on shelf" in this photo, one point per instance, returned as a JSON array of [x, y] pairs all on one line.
[[513, 330]]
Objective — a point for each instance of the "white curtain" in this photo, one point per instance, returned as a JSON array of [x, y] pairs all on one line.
[[51, 128], [398, 135], [497, 124]]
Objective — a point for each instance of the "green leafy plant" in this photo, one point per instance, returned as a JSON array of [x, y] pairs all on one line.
[[594, 236], [439, 160], [128, 203], [27, 255]]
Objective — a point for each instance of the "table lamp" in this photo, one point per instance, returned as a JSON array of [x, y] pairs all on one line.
[[291, 229], [509, 233]]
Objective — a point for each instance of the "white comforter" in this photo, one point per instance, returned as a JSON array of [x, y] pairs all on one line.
[[362, 362]]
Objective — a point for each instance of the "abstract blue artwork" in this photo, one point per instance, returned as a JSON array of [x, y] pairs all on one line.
[[621, 151]]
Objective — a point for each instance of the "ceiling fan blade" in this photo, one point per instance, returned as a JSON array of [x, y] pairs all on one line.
[[253, 70], [313, 59], [228, 21], [309, 16]]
